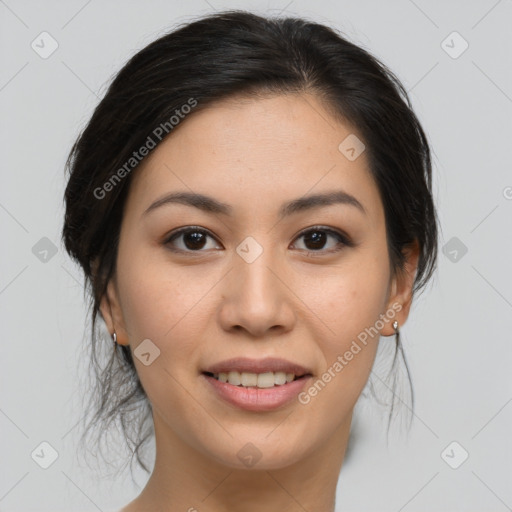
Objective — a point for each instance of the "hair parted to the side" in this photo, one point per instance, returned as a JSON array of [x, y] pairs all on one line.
[[219, 56]]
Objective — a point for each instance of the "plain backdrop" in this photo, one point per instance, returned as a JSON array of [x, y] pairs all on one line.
[[457, 339]]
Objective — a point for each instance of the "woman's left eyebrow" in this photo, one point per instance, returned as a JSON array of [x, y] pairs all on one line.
[[211, 205]]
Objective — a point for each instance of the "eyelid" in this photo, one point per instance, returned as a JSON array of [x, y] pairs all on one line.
[[332, 231], [185, 229], [342, 237], [343, 240]]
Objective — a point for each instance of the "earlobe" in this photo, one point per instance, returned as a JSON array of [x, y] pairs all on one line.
[[111, 312], [402, 288]]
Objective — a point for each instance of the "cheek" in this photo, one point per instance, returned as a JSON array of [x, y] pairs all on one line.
[[349, 303], [347, 299], [160, 300], [167, 305]]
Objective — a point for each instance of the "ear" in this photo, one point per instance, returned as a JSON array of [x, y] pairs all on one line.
[[401, 289], [111, 312]]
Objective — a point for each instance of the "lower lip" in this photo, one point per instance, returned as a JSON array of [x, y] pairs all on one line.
[[257, 399]]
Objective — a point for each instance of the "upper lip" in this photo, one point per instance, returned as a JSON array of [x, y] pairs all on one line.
[[269, 364]]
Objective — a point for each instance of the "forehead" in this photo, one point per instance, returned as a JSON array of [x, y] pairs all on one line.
[[254, 153]]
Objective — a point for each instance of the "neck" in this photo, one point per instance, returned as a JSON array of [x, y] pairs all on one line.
[[185, 479]]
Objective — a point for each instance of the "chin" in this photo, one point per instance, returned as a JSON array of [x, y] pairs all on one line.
[[257, 452]]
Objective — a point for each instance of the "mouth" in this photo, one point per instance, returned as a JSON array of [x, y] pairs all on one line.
[[263, 380], [256, 392], [268, 372]]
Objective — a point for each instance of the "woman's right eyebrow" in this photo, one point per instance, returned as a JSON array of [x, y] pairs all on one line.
[[211, 205]]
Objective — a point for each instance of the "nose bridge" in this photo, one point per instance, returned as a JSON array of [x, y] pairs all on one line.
[[256, 298], [255, 277], [257, 283]]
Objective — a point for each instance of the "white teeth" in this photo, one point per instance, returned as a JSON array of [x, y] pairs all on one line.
[[265, 380], [280, 378], [234, 378], [248, 379], [260, 380]]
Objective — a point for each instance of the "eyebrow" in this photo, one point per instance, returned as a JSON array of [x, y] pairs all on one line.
[[211, 205]]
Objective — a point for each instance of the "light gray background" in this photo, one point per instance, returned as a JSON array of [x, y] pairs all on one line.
[[457, 339]]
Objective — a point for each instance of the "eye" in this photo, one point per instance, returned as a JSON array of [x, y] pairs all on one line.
[[191, 239], [195, 239], [317, 237]]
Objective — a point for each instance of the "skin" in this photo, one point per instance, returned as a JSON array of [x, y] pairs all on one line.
[[201, 307]]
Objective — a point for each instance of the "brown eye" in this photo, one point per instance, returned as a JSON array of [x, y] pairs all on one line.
[[189, 239], [316, 239]]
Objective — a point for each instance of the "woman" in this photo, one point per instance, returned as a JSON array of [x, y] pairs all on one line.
[[251, 204]]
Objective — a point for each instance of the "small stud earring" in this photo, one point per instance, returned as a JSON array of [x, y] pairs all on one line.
[[114, 337], [395, 325]]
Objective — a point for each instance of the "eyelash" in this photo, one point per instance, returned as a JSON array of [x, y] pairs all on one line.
[[343, 240]]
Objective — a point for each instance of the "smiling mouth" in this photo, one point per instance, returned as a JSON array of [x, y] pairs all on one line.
[[264, 380]]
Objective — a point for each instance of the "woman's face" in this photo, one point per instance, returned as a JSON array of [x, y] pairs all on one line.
[[254, 279]]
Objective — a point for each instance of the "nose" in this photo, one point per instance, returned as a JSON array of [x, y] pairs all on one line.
[[257, 298]]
